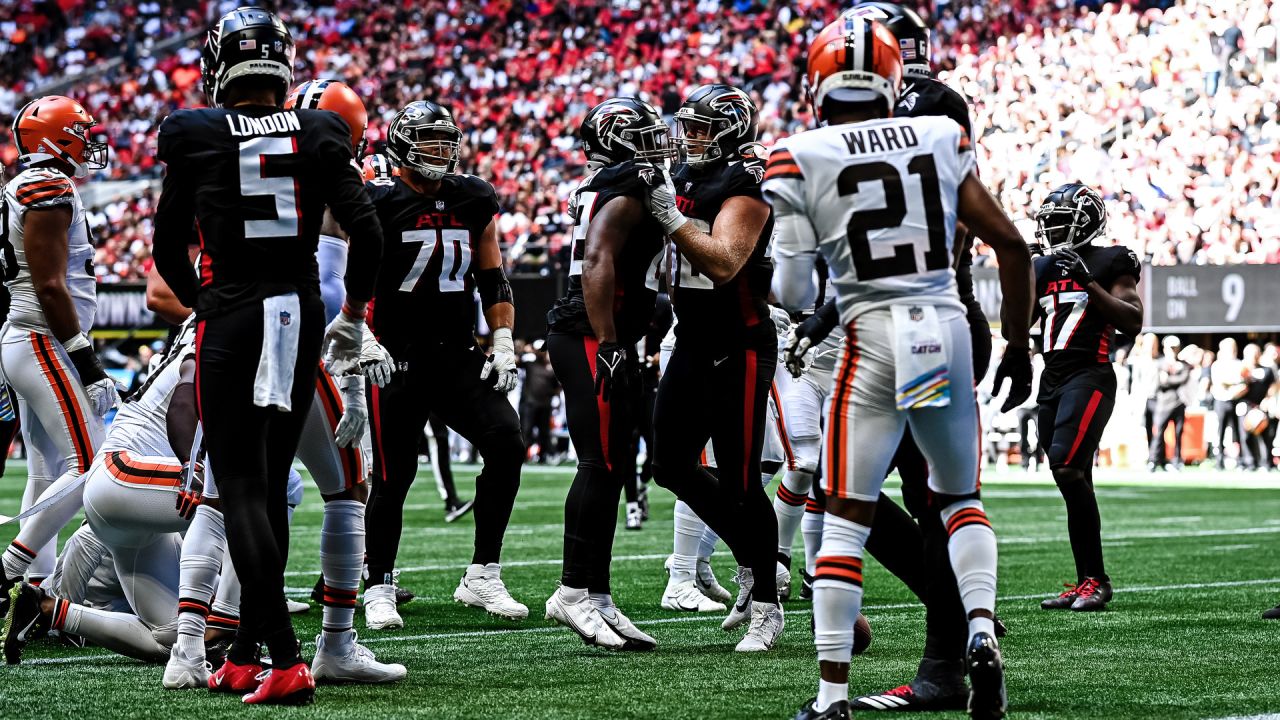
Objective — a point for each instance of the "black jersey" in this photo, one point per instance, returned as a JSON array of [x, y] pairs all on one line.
[[634, 291], [737, 311], [1077, 338], [256, 180], [426, 284]]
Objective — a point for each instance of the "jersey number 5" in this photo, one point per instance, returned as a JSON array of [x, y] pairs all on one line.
[[253, 183], [894, 212], [1073, 303]]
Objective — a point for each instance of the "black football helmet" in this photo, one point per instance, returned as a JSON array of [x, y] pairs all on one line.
[[714, 123], [1072, 215], [246, 42], [624, 128], [907, 26], [424, 137]]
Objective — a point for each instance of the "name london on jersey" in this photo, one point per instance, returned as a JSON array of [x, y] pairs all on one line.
[[281, 122], [880, 139]]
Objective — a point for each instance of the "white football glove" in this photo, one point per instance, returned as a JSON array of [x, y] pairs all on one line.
[[103, 396], [375, 361], [797, 353], [501, 365], [355, 415], [99, 388], [781, 320], [661, 202], [342, 340]]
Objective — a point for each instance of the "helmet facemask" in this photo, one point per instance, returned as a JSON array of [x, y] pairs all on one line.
[[652, 144], [432, 149], [1066, 227]]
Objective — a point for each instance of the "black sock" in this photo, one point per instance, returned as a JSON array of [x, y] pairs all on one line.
[[1084, 526], [897, 543]]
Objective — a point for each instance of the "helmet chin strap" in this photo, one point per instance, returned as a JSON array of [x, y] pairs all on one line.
[[57, 153]]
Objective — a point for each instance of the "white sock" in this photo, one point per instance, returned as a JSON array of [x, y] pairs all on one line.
[[42, 559], [122, 633], [830, 693], [40, 531], [688, 537], [708, 544], [788, 505], [573, 595], [982, 625], [294, 491], [837, 588], [341, 562], [811, 530], [202, 553], [602, 601], [972, 547]]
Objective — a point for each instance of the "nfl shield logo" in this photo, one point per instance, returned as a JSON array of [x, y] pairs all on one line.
[[688, 186], [915, 313], [285, 318], [439, 204]]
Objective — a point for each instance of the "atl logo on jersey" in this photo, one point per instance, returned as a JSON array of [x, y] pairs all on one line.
[[1059, 286], [438, 220]]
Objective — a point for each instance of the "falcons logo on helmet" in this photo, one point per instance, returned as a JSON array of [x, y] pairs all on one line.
[[610, 120], [735, 105]]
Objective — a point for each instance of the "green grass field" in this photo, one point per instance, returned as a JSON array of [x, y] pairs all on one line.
[[1193, 558]]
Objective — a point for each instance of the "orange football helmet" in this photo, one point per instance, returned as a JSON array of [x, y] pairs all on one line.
[[378, 167], [854, 59], [57, 128], [334, 96]]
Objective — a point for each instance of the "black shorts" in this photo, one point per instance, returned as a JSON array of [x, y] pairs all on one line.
[[1072, 420]]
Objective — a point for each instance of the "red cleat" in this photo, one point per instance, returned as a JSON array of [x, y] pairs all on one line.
[[291, 686], [233, 678]]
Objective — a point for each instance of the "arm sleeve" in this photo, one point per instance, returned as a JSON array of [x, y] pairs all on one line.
[[351, 207], [795, 252], [175, 216]]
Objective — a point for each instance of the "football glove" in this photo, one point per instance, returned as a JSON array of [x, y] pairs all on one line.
[[661, 202], [1076, 267], [355, 415], [98, 386], [501, 365], [190, 494], [808, 335], [781, 320], [342, 340], [375, 361], [611, 369], [1015, 366]]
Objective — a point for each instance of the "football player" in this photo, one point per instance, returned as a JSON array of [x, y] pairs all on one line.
[[257, 179], [45, 351], [879, 197], [1085, 293], [606, 310], [717, 381], [441, 248]]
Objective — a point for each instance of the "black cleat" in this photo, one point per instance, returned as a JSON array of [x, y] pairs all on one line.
[[403, 596], [21, 621], [1063, 601], [1001, 630], [1092, 595], [919, 696], [987, 698], [1272, 614], [6, 584], [456, 509], [838, 711], [806, 586], [317, 592]]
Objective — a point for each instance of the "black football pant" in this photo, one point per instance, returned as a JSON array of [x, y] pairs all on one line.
[[601, 433], [441, 462], [535, 426], [441, 379], [251, 449], [1157, 450], [721, 394], [646, 397], [1225, 412]]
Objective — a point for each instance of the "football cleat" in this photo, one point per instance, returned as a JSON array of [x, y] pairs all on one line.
[[635, 519], [380, 608], [185, 673], [686, 597], [707, 583], [635, 639], [741, 610], [6, 585], [295, 607], [355, 664], [233, 678], [1092, 595], [1063, 601], [1272, 614], [920, 695], [482, 587], [290, 686], [584, 619], [454, 511], [783, 577], [21, 620], [1001, 628], [806, 586], [402, 595], [987, 698], [644, 502], [838, 711], [766, 626]]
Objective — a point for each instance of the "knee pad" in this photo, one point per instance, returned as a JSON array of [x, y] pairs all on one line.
[[295, 488], [807, 452], [1068, 478]]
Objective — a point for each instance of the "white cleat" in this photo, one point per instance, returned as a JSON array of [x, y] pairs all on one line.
[[741, 610], [783, 578], [355, 664], [708, 584], [482, 587], [380, 608], [766, 626], [184, 673], [583, 618], [635, 639], [296, 607], [686, 597]]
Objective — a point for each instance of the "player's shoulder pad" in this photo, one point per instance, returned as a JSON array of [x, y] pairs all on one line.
[[749, 172], [781, 162], [475, 187], [380, 189], [631, 178], [173, 128], [40, 188], [1125, 261]]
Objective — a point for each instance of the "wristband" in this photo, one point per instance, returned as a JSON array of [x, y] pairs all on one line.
[[79, 342]]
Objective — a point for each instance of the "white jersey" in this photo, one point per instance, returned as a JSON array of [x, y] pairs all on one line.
[[141, 424], [33, 189], [881, 198]]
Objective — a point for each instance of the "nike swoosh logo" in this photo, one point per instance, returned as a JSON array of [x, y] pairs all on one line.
[[717, 362], [22, 634], [744, 606], [680, 604]]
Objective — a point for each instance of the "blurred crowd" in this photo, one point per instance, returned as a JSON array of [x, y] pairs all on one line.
[[1171, 113]]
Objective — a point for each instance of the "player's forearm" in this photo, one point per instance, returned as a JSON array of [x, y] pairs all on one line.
[[59, 310], [500, 315], [597, 291], [1125, 315], [714, 259], [1016, 283], [181, 421]]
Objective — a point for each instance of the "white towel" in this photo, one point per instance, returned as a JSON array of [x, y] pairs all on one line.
[[281, 320], [922, 372]]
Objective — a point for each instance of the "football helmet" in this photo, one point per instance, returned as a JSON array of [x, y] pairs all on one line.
[[246, 42], [57, 128], [334, 96], [714, 123], [424, 137], [1072, 215], [624, 128], [378, 167], [907, 26], [853, 60]]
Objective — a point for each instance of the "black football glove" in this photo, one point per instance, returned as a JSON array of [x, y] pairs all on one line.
[[1076, 267], [1015, 367], [808, 334], [611, 370]]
